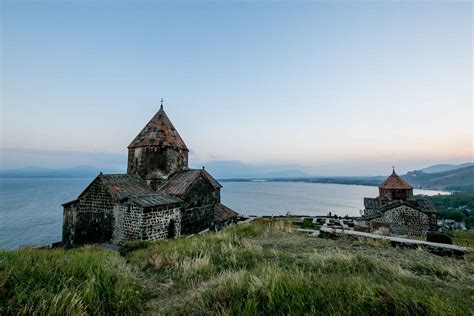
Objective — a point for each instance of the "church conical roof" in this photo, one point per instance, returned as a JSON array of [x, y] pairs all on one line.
[[395, 182], [159, 132]]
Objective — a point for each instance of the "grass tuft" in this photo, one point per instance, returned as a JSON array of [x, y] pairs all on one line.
[[436, 269], [80, 281]]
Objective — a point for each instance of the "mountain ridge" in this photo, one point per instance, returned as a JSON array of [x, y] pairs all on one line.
[[445, 167]]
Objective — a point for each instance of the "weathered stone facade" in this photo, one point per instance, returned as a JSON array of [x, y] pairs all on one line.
[[200, 195], [198, 207], [405, 220], [155, 164], [89, 219], [159, 197], [137, 223]]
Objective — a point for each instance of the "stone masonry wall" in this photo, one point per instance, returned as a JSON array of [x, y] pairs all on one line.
[[94, 220], [198, 207], [69, 223], [137, 223], [405, 220], [155, 162], [156, 222], [197, 219], [129, 217]]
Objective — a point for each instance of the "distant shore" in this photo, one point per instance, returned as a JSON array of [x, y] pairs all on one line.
[[365, 181]]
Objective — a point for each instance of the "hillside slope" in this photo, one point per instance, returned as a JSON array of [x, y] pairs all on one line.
[[264, 268], [446, 167], [459, 179]]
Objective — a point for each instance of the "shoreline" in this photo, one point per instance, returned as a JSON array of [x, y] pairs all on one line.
[[315, 181]]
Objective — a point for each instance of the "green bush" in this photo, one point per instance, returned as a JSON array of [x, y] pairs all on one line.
[[469, 221], [307, 223], [457, 215]]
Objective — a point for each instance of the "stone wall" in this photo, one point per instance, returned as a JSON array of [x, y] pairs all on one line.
[[161, 223], [69, 223], [405, 220], [137, 223], [393, 194], [433, 222], [154, 162], [91, 218], [129, 217], [197, 219], [198, 207]]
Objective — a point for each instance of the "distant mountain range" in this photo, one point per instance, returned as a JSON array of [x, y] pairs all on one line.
[[231, 169]]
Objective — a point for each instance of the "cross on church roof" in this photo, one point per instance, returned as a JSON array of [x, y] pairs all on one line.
[[162, 100]]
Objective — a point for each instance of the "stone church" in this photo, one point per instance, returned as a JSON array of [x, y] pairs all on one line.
[[398, 210], [159, 197]]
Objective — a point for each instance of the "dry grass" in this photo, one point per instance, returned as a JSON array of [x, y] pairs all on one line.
[[263, 268], [267, 268]]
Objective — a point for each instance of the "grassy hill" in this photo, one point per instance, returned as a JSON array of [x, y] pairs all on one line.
[[445, 167], [459, 179], [261, 268]]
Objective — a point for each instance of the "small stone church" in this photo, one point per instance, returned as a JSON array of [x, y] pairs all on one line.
[[159, 197], [397, 210]]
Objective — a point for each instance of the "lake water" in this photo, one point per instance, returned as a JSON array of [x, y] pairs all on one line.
[[31, 212]]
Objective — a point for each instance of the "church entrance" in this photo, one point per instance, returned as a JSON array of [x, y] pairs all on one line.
[[171, 229]]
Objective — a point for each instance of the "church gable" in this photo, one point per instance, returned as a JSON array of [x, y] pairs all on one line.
[[91, 218], [118, 186], [199, 196], [200, 192], [181, 182]]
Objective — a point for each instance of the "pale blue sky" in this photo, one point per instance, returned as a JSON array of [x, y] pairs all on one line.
[[332, 87]]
